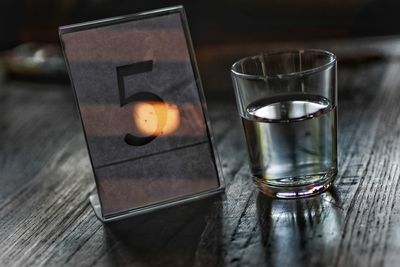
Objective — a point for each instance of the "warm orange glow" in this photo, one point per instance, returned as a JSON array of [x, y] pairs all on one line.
[[148, 118], [112, 120]]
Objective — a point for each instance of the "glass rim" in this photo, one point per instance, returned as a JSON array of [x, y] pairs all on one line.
[[285, 75]]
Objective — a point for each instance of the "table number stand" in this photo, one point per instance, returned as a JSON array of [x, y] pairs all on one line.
[[118, 66]]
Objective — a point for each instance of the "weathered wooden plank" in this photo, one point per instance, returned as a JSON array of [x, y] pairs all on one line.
[[45, 219], [370, 201]]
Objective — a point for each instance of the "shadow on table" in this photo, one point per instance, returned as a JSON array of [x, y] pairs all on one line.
[[299, 232], [168, 237]]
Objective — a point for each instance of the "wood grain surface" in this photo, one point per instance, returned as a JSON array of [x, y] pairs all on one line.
[[45, 181]]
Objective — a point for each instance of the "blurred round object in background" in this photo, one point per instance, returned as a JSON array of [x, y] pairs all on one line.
[[35, 60]]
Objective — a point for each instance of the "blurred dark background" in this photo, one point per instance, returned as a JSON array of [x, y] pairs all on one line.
[[210, 21], [222, 31]]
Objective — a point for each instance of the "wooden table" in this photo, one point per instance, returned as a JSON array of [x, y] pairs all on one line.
[[45, 217]]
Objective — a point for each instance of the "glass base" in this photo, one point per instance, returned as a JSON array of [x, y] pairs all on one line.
[[292, 188]]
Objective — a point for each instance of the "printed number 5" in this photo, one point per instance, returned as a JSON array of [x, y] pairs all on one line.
[[145, 97]]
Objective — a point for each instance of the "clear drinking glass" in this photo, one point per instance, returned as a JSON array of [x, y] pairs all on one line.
[[288, 105]]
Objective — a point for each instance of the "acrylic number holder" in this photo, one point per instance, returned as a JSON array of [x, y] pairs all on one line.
[[143, 112]]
